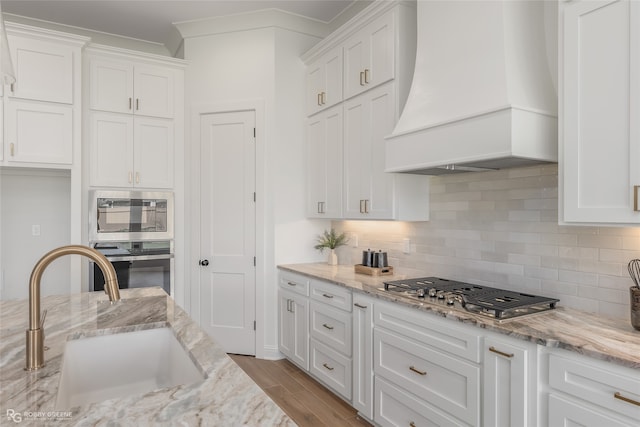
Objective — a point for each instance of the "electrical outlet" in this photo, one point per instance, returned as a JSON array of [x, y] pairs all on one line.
[[35, 230], [353, 240], [406, 245]]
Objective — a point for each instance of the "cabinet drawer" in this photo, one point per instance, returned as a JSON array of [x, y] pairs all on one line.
[[564, 413], [330, 367], [331, 327], [294, 283], [449, 384], [430, 330], [597, 384], [396, 407], [333, 295]]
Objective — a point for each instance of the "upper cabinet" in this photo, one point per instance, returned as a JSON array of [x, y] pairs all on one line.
[[324, 81], [376, 78], [135, 119], [600, 104], [41, 109], [125, 87], [369, 56]]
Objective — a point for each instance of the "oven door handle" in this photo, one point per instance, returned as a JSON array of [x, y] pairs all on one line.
[[139, 257]]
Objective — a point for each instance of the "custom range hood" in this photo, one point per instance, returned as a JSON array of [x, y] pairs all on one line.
[[482, 95]]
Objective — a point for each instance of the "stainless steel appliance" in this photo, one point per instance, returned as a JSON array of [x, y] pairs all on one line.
[[138, 264], [493, 302], [130, 216]]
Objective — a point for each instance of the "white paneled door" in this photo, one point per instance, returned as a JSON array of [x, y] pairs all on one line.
[[227, 241]]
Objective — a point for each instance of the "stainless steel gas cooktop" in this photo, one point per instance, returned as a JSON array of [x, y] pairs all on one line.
[[496, 303]]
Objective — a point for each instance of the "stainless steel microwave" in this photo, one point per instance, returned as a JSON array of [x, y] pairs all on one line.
[[130, 215]]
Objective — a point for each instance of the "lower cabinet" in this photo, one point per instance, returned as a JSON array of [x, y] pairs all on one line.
[[510, 382], [293, 319], [363, 354], [589, 392], [331, 368]]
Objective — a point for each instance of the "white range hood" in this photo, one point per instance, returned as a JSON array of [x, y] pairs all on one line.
[[482, 95]]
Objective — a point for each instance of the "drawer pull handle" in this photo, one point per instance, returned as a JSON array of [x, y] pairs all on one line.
[[417, 371], [412, 424], [501, 353], [327, 326], [359, 306], [291, 284], [617, 395], [327, 367], [327, 296], [635, 197]]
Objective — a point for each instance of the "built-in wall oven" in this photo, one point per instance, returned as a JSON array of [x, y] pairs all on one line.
[[133, 230]]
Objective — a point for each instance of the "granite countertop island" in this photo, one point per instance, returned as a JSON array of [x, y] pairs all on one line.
[[610, 340], [226, 397]]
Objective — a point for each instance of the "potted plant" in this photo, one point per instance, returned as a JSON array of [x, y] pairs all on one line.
[[331, 240]]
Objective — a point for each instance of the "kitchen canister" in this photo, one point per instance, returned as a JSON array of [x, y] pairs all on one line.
[[380, 260], [635, 307], [367, 258]]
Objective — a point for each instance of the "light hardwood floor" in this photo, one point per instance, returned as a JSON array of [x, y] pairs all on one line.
[[306, 401]]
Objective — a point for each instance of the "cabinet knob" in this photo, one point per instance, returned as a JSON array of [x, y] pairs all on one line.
[[204, 262]]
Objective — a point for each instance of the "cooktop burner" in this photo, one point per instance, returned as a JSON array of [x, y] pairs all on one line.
[[494, 302]]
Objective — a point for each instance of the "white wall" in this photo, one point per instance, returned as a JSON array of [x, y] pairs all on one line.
[[30, 198], [260, 67], [501, 229]]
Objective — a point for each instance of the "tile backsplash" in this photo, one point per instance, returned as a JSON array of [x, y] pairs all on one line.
[[500, 228]]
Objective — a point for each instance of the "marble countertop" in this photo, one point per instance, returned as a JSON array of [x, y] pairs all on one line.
[[227, 396], [611, 340]]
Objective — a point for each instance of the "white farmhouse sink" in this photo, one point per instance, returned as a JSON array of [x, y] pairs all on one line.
[[119, 365]]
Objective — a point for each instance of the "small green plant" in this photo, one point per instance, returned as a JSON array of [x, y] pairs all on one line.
[[331, 240]]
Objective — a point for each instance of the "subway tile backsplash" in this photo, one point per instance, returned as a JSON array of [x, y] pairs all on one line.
[[501, 229]]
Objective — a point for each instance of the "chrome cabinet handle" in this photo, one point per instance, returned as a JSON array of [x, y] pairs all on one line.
[[327, 296], [619, 396], [417, 371], [327, 366], [501, 353], [359, 306], [327, 326]]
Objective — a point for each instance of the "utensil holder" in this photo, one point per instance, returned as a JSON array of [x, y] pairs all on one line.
[[634, 291]]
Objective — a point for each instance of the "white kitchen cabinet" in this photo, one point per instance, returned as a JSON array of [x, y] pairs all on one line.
[[510, 382], [324, 81], [330, 367], [44, 69], [293, 315], [591, 392], [362, 399], [370, 192], [370, 56], [324, 160], [131, 88], [38, 132], [600, 103], [131, 152], [430, 358]]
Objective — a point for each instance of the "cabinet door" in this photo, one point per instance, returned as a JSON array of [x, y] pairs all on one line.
[[39, 132], [324, 81], [44, 70], [153, 152], [153, 91], [324, 164], [293, 339], [111, 86], [368, 118], [601, 93], [363, 355], [285, 324], [507, 389], [111, 150], [370, 56]]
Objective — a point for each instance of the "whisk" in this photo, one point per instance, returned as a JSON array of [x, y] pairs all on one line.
[[634, 271]]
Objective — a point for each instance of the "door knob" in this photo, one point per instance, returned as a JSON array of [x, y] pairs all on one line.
[[203, 262]]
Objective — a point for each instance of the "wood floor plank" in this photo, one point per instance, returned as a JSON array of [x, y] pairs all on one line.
[[300, 396]]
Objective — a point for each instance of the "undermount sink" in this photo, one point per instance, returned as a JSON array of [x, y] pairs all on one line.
[[119, 365]]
